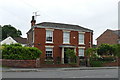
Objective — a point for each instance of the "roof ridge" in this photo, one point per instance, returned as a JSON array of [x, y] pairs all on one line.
[[63, 25]]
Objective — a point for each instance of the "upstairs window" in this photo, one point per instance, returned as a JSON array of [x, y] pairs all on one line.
[[66, 37], [49, 36], [81, 38]]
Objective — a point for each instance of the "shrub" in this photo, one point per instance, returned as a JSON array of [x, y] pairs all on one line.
[[96, 63], [70, 56], [18, 52]]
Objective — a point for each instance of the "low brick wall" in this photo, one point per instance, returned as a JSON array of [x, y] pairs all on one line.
[[110, 64], [32, 64], [19, 63]]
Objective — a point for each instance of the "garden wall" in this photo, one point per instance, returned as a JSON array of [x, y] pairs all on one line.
[[110, 64], [19, 63], [117, 63], [32, 64]]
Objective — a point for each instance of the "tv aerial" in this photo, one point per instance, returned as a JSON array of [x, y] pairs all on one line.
[[35, 14]]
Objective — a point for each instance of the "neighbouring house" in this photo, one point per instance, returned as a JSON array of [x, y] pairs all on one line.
[[109, 37], [54, 38], [10, 40], [21, 40]]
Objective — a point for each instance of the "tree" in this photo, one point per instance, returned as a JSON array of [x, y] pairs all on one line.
[[8, 30], [105, 49], [117, 50], [91, 53]]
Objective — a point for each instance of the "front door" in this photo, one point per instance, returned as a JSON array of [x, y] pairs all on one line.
[[65, 56]]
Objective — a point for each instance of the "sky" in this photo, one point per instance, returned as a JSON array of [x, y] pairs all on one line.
[[97, 15]]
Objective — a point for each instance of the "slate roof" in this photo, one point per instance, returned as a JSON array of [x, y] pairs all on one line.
[[21, 40], [117, 32], [64, 26]]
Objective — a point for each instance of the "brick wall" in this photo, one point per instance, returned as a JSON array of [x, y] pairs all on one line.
[[19, 63], [107, 37], [40, 38], [32, 64], [110, 64]]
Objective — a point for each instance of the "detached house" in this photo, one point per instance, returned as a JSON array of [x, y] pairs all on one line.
[[109, 37], [54, 38]]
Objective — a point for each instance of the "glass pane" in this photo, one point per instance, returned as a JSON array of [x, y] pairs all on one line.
[[81, 38], [81, 52], [49, 35], [66, 36]]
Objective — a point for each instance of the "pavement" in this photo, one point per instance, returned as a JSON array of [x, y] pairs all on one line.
[[52, 69]]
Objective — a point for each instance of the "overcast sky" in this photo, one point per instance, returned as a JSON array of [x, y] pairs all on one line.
[[97, 15]]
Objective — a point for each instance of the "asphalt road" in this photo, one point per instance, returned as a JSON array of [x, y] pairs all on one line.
[[103, 73]]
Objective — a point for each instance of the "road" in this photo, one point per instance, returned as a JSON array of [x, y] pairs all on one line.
[[102, 73]]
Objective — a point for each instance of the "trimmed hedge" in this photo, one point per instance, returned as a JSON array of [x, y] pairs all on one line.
[[18, 52]]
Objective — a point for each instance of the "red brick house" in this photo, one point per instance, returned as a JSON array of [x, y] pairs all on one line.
[[109, 37], [54, 38]]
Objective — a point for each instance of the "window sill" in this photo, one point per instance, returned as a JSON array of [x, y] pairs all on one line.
[[66, 43], [50, 42], [81, 44]]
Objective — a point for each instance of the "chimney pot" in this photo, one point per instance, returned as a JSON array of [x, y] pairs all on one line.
[[33, 21]]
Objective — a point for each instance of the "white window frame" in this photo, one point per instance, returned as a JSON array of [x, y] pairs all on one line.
[[51, 35], [83, 52], [79, 38], [64, 33], [50, 49]]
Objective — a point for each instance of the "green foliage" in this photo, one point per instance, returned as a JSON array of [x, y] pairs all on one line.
[[105, 49], [17, 52], [116, 50], [8, 30], [96, 63], [70, 55], [91, 52]]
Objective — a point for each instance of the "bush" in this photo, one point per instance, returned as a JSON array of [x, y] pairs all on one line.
[[96, 63], [17, 52]]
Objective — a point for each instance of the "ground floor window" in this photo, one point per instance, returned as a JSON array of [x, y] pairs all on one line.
[[49, 52], [81, 52]]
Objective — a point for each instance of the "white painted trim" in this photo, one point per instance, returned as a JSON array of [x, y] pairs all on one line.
[[48, 29], [82, 47], [81, 43], [66, 31], [63, 37], [65, 43], [49, 42], [83, 40], [49, 46], [81, 32], [52, 36]]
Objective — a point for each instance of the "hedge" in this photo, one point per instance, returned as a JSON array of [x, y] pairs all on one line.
[[18, 52]]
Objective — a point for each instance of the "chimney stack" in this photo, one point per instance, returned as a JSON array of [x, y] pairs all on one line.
[[33, 21]]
